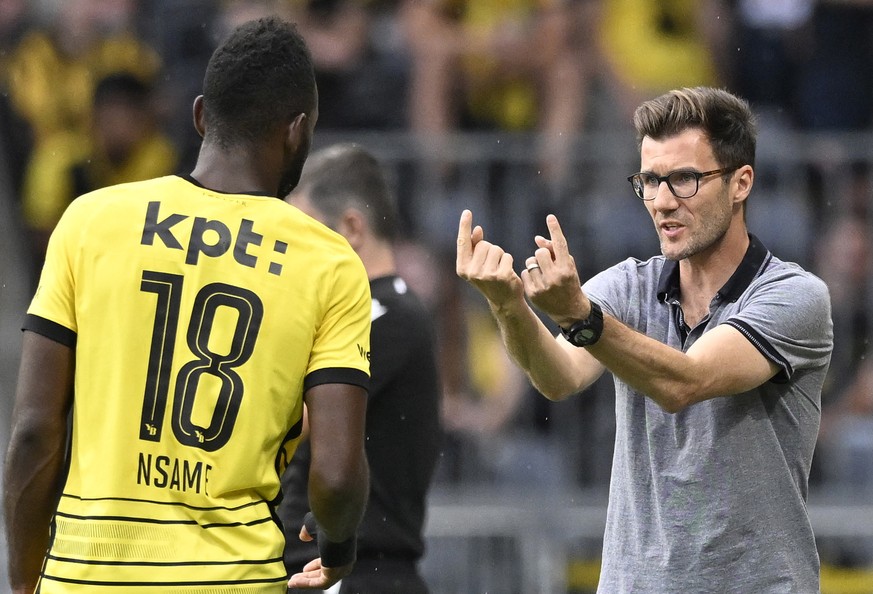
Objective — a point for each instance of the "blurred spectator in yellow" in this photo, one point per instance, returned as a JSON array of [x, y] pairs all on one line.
[[51, 75], [651, 47], [125, 144], [53, 71], [513, 65]]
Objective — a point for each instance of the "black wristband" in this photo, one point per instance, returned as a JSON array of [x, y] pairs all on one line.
[[337, 554], [333, 554]]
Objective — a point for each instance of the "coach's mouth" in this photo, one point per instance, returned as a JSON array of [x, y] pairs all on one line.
[[671, 229]]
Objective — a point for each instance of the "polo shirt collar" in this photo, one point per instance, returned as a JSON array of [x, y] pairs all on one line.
[[756, 256]]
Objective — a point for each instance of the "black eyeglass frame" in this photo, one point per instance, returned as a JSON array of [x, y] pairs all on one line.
[[698, 175]]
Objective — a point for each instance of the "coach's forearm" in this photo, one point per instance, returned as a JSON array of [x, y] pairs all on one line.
[[549, 367], [666, 375], [722, 362]]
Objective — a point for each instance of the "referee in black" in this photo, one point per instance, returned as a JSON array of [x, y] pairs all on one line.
[[345, 188]]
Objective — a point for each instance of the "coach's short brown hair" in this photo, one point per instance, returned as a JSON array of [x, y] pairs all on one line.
[[726, 120]]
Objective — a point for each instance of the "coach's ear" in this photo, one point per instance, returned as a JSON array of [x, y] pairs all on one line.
[[745, 177], [199, 122]]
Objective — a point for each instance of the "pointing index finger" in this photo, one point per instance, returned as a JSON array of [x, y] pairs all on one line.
[[465, 243], [559, 242]]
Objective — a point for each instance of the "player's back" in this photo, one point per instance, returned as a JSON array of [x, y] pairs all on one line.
[[196, 316]]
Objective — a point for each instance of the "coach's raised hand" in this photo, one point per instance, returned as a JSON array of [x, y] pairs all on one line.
[[486, 266], [550, 365], [551, 279]]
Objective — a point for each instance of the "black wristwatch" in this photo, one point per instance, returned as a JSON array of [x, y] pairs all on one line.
[[586, 332]]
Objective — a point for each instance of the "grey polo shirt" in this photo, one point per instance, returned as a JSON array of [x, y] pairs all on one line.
[[713, 498]]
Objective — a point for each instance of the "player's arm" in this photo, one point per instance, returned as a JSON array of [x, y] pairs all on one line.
[[338, 479], [36, 454], [555, 368], [720, 363]]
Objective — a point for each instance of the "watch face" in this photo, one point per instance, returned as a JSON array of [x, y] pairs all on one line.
[[583, 337], [586, 334]]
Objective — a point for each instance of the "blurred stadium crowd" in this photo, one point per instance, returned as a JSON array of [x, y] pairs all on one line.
[[513, 108]]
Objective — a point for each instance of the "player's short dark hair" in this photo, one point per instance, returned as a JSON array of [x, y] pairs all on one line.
[[726, 119], [260, 76], [346, 175]]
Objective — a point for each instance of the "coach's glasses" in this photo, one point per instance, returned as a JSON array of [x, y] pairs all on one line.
[[683, 183]]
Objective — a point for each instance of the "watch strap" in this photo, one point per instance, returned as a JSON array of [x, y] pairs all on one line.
[[586, 332]]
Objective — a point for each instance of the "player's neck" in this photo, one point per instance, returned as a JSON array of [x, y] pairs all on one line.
[[233, 171]]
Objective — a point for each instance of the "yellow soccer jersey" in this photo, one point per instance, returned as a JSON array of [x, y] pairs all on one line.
[[198, 320]]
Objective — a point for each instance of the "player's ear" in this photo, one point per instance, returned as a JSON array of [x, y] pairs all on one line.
[[299, 134], [199, 120]]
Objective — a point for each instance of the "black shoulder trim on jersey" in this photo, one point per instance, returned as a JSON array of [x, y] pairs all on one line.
[[763, 345], [337, 375], [50, 329]]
